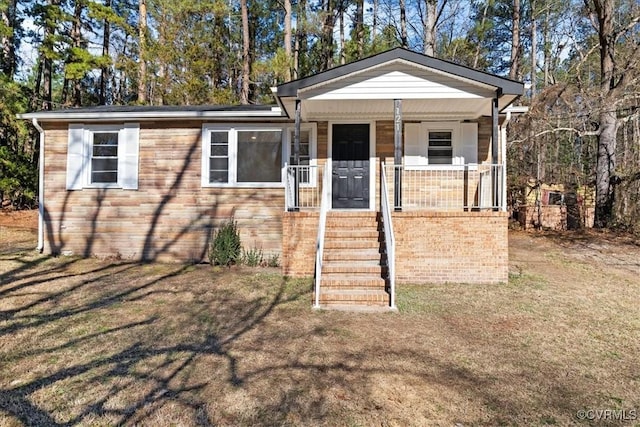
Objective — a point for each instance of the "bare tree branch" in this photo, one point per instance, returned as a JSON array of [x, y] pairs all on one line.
[[558, 129]]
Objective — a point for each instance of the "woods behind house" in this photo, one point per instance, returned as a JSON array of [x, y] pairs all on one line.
[[580, 58]]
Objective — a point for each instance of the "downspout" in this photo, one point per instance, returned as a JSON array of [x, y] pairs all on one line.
[[494, 151], [40, 246], [296, 155], [503, 151]]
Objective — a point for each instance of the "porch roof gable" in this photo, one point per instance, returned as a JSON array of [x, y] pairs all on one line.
[[401, 60]]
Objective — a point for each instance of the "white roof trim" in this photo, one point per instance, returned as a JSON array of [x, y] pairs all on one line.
[[70, 115], [386, 64]]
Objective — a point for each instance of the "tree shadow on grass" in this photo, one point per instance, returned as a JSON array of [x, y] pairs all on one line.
[[159, 344], [108, 321], [146, 363]]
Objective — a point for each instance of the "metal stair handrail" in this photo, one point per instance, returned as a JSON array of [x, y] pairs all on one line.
[[324, 207], [389, 239]]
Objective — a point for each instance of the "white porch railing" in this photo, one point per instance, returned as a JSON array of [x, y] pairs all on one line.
[[303, 187], [389, 239], [322, 222], [448, 188]]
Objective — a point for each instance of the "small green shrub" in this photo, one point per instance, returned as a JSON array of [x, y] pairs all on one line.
[[273, 260], [253, 257], [225, 247]]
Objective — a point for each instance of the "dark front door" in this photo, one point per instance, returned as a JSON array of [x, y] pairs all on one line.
[[350, 183]]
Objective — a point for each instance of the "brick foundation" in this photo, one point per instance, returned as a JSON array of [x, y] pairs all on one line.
[[461, 247], [431, 247], [299, 234]]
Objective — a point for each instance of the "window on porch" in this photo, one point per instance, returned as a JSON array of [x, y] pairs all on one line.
[[304, 158], [439, 150]]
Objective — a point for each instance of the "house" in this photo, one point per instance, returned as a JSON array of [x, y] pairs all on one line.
[[387, 170], [556, 206]]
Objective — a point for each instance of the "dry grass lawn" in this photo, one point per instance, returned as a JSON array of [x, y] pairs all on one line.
[[92, 342]]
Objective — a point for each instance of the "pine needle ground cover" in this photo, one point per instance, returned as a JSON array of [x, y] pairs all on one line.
[[95, 342]]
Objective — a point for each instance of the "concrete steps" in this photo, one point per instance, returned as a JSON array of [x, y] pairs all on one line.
[[353, 266]]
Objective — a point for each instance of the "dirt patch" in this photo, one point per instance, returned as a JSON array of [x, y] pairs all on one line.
[[596, 248], [27, 219], [91, 342]]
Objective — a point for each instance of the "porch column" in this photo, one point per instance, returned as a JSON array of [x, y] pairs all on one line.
[[495, 175], [397, 154], [296, 157]]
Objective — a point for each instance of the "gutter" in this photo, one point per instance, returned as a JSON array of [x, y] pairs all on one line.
[[72, 116], [274, 91], [510, 110], [40, 246]]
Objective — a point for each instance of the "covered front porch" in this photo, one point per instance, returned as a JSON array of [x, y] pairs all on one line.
[[411, 159]]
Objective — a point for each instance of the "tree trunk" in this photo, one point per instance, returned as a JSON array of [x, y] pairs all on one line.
[[253, 25], [64, 94], [121, 93], [142, 65], [359, 27], [606, 160], [219, 56], [403, 25], [33, 104], [47, 84], [343, 57], [476, 56], [514, 70], [534, 49], [605, 169], [547, 48], [8, 17], [244, 91], [287, 38], [327, 35], [374, 26], [104, 72], [296, 55], [76, 37], [429, 35], [301, 37], [48, 53]]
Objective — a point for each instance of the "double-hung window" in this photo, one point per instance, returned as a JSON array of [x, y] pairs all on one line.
[[103, 156], [439, 151], [219, 157]]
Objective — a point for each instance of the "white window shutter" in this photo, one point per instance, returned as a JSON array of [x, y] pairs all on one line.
[[128, 164], [415, 149], [206, 146], [467, 148], [75, 157]]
